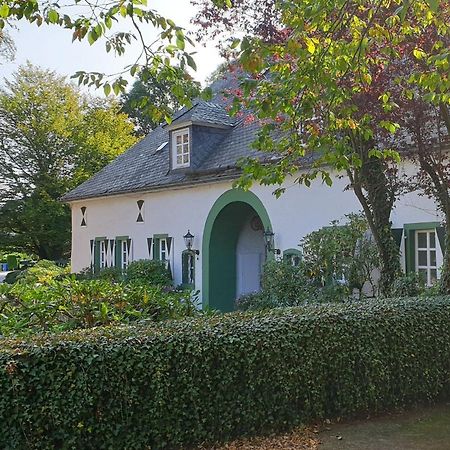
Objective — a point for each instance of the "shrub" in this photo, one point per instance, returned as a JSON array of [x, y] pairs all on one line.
[[409, 285], [286, 285], [69, 304], [11, 277], [149, 271], [43, 272], [192, 381], [341, 254]]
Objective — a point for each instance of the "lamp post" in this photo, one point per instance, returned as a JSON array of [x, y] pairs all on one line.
[[269, 241], [189, 241]]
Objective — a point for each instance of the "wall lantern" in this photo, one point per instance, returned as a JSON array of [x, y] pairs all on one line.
[[189, 241], [269, 240]]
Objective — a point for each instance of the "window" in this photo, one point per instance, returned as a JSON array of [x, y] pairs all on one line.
[[180, 148], [292, 257], [163, 249], [83, 216], [124, 254], [426, 255], [188, 268], [140, 217], [102, 254]]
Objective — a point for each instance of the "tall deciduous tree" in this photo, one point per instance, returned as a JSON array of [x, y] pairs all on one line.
[[325, 83], [51, 138]]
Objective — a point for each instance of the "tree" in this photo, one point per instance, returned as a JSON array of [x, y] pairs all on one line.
[[51, 138], [7, 47], [149, 96], [163, 59], [322, 87]]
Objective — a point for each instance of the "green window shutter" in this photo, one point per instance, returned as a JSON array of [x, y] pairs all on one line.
[[410, 249], [397, 233], [97, 256], [440, 231], [117, 253], [185, 267], [156, 255]]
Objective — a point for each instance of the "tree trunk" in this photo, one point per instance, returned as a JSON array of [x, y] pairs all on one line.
[[376, 194]]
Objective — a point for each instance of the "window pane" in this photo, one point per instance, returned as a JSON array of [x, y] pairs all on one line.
[[422, 258], [185, 148], [422, 240], [433, 275], [185, 159], [433, 258], [179, 159], [432, 239], [178, 140], [185, 137]]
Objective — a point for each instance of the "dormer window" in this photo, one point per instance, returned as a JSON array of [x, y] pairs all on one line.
[[180, 148]]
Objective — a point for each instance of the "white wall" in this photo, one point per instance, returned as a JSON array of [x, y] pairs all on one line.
[[299, 211]]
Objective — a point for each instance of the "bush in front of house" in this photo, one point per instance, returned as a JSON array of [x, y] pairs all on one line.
[[149, 271], [202, 380], [283, 285], [69, 304]]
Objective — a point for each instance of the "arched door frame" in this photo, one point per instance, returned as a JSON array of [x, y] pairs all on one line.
[[228, 197]]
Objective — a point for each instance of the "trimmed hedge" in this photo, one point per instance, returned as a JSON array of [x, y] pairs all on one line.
[[212, 379]]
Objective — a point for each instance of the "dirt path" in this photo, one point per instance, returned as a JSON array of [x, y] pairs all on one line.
[[422, 429]]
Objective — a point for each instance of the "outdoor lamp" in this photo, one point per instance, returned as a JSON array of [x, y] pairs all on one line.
[[189, 240], [270, 246]]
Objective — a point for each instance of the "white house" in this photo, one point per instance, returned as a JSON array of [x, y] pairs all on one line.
[[179, 179]]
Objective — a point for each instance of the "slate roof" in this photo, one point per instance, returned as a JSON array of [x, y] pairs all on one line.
[[145, 166]]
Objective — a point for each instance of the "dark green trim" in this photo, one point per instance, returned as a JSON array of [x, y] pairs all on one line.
[[97, 241], [156, 246], [410, 244], [216, 273], [118, 251], [292, 252], [184, 269]]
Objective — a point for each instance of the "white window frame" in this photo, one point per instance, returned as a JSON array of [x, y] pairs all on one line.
[[102, 254], [124, 254], [163, 249], [428, 267], [181, 146]]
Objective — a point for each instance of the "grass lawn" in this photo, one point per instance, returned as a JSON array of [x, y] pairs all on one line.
[[421, 429]]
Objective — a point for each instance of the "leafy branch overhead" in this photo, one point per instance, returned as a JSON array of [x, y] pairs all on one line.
[[164, 58]]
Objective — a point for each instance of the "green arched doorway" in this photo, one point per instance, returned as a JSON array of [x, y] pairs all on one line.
[[220, 237]]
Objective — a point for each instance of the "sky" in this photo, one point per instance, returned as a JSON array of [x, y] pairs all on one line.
[[51, 47]]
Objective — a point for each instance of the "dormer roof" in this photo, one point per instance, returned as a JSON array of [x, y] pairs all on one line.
[[146, 165]]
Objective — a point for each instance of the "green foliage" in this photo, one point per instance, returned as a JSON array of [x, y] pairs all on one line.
[[69, 304], [341, 253], [288, 285], [143, 101], [51, 138], [43, 272], [409, 285], [149, 271], [191, 381], [12, 277]]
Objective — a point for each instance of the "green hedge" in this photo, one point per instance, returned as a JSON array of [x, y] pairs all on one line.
[[212, 379]]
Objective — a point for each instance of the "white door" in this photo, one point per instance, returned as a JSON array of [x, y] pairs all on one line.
[[249, 273]]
